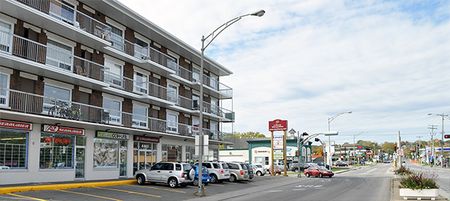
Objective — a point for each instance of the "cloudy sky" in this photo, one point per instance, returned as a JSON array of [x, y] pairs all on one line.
[[304, 61]]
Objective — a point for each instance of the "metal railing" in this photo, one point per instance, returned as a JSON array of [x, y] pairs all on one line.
[[225, 90], [65, 109], [218, 111], [184, 102], [61, 11], [88, 68], [28, 49]]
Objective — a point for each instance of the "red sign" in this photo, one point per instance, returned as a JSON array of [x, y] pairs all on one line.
[[278, 125], [146, 139], [62, 130], [57, 140], [447, 136], [15, 125]]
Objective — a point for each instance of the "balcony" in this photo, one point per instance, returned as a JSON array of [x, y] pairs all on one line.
[[217, 112], [28, 103], [60, 18], [26, 55], [181, 73], [212, 86]]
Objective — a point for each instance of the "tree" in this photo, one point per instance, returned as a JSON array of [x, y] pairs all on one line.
[[388, 147], [245, 135]]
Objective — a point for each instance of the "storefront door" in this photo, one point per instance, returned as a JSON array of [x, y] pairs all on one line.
[[79, 162], [123, 159]]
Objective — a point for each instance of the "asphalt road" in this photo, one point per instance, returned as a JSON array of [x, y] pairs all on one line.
[[365, 184]]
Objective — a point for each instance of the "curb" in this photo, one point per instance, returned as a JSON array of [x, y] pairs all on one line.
[[45, 187]]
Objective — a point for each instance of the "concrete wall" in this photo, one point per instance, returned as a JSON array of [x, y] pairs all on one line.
[[233, 155]]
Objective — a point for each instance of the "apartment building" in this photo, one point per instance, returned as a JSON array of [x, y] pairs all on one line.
[[90, 90]]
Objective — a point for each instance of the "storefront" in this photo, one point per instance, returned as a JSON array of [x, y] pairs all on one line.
[[144, 152], [110, 151], [13, 144], [171, 153]]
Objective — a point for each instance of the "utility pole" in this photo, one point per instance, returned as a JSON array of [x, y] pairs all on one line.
[[432, 128], [443, 116], [418, 150]]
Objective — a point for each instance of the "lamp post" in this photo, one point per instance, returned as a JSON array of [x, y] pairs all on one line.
[[205, 44], [442, 132], [330, 119]]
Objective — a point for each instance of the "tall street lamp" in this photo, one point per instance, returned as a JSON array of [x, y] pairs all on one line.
[[205, 44], [442, 131], [330, 119]]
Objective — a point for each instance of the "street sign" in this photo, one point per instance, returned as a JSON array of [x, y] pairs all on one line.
[[278, 125]]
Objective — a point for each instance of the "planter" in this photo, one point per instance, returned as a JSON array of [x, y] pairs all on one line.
[[424, 193]]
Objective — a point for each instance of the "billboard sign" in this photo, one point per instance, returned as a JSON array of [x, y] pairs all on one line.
[[278, 142], [278, 125]]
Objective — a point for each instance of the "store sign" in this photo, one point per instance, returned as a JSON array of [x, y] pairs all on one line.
[[278, 125], [277, 154], [278, 142], [62, 130], [117, 136], [146, 139], [15, 125]]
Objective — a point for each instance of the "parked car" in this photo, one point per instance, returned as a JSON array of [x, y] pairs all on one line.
[[318, 172], [172, 173], [238, 172], [251, 173], [294, 166], [218, 171], [341, 164], [276, 169], [194, 174], [322, 164], [259, 169]]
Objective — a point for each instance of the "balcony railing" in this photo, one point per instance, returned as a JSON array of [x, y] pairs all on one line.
[[183, 72], [66, 13], [185, 102], [218, 111], [88, 68], [64, 109], [28, 49]]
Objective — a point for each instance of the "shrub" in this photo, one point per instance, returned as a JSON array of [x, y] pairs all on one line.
[[418, 181], [403, 171]]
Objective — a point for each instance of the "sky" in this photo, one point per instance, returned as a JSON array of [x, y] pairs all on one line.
[[305, 61]]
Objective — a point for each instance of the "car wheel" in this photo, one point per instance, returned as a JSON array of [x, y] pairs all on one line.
[[258, 174], [140, 179], [307, 175], [330, 176], [173, 183], [232, 178], [206, 183], [321, 175], [214, 178]]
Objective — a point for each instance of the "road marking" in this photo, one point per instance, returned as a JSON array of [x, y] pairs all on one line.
[[274, 191], [299, 189], [152, 187], [90, 195], [309, 186], [27, 197], [130, 192]]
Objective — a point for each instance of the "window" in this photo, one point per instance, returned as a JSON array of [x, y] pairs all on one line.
[[140, 82], [195, 102], [113, 110], [172, 93], [113, 73], [157, 166], [172, 63], [178, 167], [216, 166], [4, 89], [57, 151], [214, 82], [225, 166], [62, 11], [195, 75], [190, 152], [233, 166], [141, 49], [167, 166], [106, 153], [172, 122], [59, 55], [13, 149], [171, 153], [56, 100], [117, 38], [140, 116], [5, 37]]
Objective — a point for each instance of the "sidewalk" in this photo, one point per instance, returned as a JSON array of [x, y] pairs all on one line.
[[62, 185]]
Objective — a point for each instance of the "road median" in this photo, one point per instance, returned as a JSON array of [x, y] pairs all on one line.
[[61, 186]]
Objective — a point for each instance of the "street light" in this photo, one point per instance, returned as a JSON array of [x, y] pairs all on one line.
[[442, 131], [330, 119], [211, 38]]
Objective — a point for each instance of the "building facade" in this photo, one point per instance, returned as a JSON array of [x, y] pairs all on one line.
[[90, 90]]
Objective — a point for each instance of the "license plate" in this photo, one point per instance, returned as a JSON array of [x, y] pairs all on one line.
[[227, 175]]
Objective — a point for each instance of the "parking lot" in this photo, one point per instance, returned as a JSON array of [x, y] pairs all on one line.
[[134, 192]]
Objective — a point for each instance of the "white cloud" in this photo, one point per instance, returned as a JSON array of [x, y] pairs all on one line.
[[307, 60]]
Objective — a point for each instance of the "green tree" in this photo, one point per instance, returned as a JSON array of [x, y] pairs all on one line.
[[388, 147], [245, 135]]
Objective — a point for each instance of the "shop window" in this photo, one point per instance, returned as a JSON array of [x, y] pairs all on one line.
[[106, 153], [13, 149], [171, 153], [56, 151]]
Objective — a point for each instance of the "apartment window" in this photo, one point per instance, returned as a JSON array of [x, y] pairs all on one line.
[[62, 11], [141, 50], [112, 110], [4, 89], [13, 149], [140, 115], [195, 102], [56, 100], [214, 82], [117, 38], [113, 73], [59, 55], [214, 106], [172, 93], [195, 75], [172, 63], [140, 82], [5, 36], [172, 121], [56, 151]]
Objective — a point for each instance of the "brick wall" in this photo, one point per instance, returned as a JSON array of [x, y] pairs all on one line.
[[128, 73]]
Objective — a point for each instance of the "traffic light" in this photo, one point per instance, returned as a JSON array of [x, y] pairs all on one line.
[[447, 136]]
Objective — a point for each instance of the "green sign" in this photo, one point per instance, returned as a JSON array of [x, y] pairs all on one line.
[[117, 136]]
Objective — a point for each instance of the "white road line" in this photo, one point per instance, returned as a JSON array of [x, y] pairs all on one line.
[[274, 191], [299, 189]]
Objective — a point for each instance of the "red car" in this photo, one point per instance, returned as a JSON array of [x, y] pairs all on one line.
[[318, 171]]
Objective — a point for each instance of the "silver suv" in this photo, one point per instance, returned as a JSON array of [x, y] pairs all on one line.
[[171, 173], [238, 172], [218, 171], [258, 169]]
